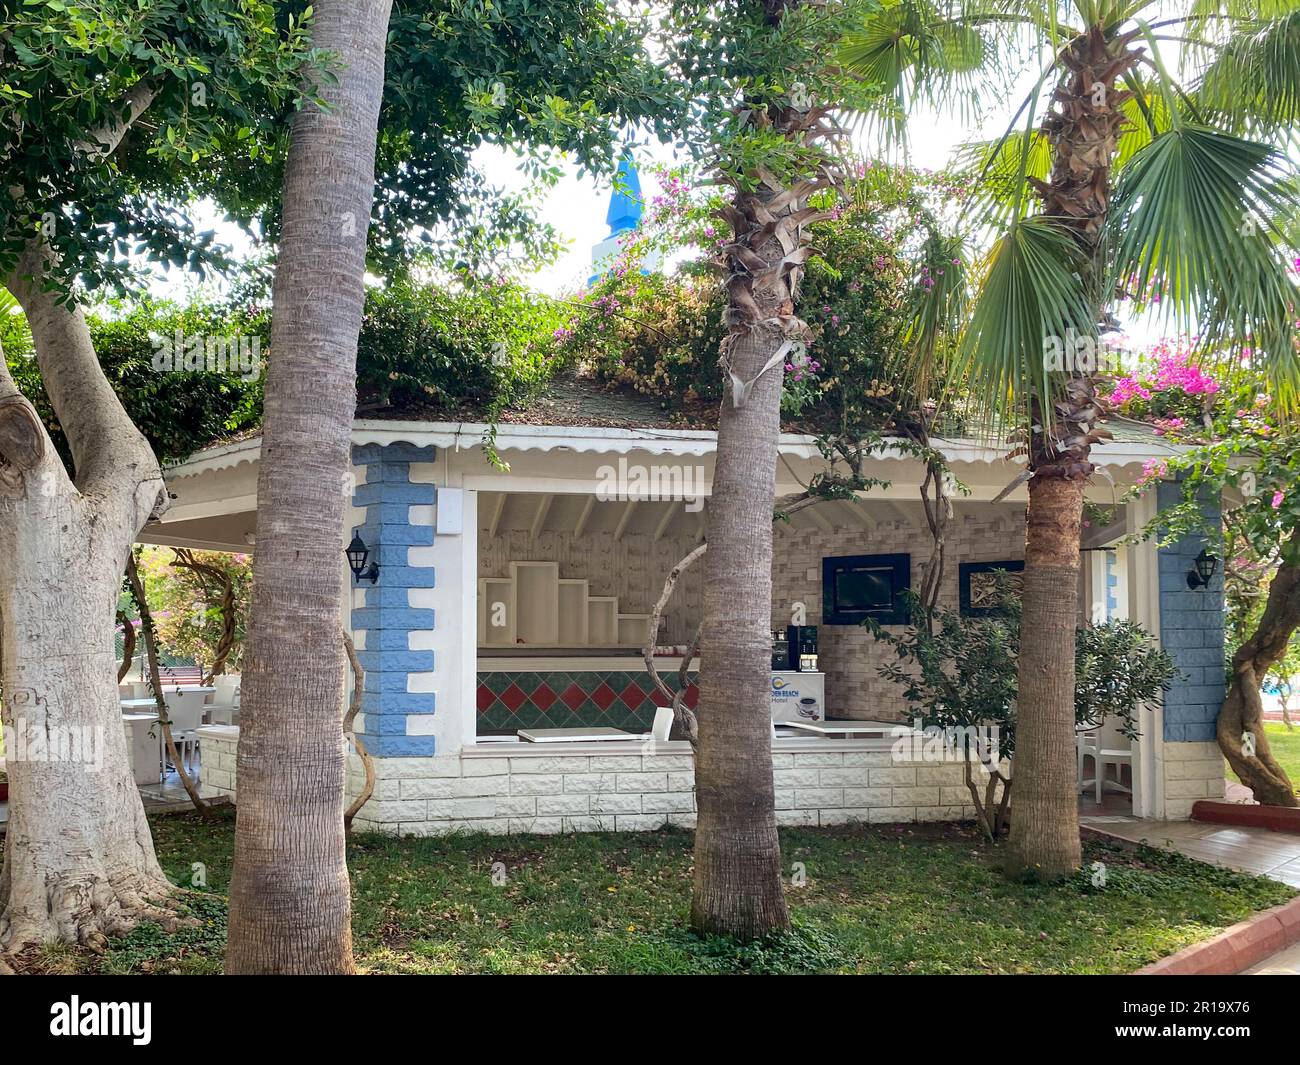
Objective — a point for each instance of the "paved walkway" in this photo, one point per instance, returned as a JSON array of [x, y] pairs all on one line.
[[1251, 850]]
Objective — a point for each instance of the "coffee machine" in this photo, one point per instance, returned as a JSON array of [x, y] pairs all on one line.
[[801, 648]]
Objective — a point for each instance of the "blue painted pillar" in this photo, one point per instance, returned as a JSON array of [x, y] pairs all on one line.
[[397, 701], [1191, 631]]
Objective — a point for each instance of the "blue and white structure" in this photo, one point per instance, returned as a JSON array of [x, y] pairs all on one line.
[[626, 209]]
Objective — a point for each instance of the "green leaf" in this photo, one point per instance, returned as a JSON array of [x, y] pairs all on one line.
[[1029, 290]]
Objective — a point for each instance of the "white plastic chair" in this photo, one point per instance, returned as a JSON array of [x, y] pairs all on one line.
[[226, 691], [663, 723], [185, 711], [1088, 744]]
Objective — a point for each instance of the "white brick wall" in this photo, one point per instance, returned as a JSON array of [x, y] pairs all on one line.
[[592, 788], [1192, 771], [629, 788]]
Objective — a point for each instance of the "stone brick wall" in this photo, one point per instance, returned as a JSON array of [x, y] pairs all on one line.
[[849, 656], [623, 787], [218, 744], [1191, 771], [1191, 631]]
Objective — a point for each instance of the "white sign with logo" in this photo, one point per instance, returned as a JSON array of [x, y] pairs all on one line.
[[798, 696]]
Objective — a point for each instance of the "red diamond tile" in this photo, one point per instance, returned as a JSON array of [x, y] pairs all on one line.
[[692, 695], [514, 697], [543, 697], [573, 697], [603, 696], [486, 697], [632, 695]]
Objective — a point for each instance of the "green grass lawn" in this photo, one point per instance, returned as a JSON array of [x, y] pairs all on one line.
[[887, 899], [1285, 747]]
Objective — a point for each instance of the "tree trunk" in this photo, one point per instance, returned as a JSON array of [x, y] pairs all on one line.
[[1243, 710], [737, 890], [79, 860], [1045, 812], [1083, 130], [290, 908]]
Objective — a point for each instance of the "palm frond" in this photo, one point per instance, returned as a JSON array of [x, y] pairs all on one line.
[[914, 53], [995, 170], [1196, 219], [1253, 82], [936, 307], [1029, 290]]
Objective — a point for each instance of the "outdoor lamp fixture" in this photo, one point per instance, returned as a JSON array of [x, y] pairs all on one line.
[[1203, 570], [358, 554]]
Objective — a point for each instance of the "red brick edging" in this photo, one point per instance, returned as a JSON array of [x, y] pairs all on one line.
[[1234, 949], [1276, 818]]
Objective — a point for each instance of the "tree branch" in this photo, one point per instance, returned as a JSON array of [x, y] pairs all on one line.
[[103, 141], [112, 458]]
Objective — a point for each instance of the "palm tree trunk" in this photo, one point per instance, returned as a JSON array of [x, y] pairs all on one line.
[[1045, 814], [1084, 133], [737, 889], [290, 907]]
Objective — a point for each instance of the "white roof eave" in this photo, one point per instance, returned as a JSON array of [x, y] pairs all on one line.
[[582, 439]]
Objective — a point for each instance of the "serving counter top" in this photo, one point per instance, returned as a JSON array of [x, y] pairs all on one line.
[[577, 663]]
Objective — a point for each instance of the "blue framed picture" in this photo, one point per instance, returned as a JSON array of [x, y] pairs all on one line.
[[857, 587], [977, 586]]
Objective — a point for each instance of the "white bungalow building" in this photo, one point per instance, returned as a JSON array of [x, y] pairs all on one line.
[[501, 637], [511, 602]]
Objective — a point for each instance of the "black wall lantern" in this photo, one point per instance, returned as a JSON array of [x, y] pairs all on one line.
[[1203, 570], [358, 554]]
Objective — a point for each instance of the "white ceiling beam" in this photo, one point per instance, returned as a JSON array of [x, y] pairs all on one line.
[[626, 517], [543, 509], [665, 521], [495, 521], [819, 519], [585, 516]]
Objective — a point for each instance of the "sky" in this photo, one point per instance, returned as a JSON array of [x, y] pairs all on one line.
[[575, 206]]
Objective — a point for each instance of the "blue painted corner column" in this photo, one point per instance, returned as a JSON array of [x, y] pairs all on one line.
[[397, 700], [1191, 631]]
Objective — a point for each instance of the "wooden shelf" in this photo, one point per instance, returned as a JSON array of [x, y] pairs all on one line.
[[537, 601], [543, 609], [602, 620], [575, 622], [631, 629]]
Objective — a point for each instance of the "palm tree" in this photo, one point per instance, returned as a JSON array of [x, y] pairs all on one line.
[[290, 908], [737, 885], [1140, 180]]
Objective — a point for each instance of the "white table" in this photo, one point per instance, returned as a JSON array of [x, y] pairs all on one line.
[[574, 735], [842, 728], [146, 766]]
